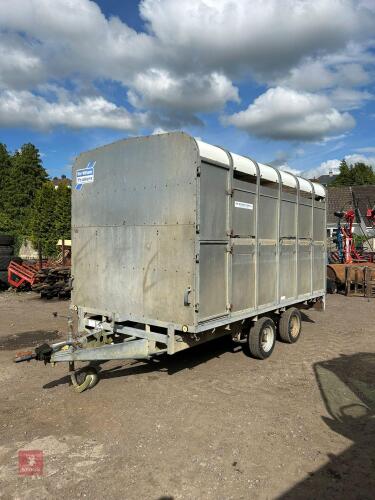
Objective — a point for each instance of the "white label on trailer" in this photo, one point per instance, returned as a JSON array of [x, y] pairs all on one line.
[[242, 204]]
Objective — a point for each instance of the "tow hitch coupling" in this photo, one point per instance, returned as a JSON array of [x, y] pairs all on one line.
[[41, 353]]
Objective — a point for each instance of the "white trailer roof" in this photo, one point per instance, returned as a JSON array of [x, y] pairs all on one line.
[[247, 166]]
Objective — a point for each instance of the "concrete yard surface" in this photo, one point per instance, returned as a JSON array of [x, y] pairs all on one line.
[[206, 423]]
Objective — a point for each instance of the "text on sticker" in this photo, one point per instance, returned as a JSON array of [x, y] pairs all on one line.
[[242, 204]]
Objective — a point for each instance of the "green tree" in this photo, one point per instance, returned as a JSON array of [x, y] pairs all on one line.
[[358, 174], [25, 176], [344, 177], [5, 165], [362, 174], [5, 224], [30, 206], [50, 217], [42, 221], [63, 211]]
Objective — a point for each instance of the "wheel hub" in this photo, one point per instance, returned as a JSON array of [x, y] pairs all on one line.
[[267, 339], [295, 326]]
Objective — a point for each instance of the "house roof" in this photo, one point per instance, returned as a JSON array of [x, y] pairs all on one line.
[[344, 197]]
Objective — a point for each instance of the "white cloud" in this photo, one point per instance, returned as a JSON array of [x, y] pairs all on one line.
[[327, 167], [193, 52], [310, 76], [285, 167], [340, 76], [263, 36], [22, 108], [359, 158], [20, 67], [352, 74], [347, 99], [192, 93], [75, 37], [290, 115], [369, 4], [318, 74]]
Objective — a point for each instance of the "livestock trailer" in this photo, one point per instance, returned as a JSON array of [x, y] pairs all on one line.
[[176, 242]]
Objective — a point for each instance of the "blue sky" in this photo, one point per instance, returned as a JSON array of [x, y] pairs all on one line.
[[290, 83]]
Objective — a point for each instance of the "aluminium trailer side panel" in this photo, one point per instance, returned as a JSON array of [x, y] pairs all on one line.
[[213, 240], [133, 230], [288, 246], [263, 250]]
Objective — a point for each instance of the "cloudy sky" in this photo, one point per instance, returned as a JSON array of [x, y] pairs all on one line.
[[289, 82]]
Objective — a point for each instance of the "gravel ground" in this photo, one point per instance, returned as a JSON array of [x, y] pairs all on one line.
[[206, 423]]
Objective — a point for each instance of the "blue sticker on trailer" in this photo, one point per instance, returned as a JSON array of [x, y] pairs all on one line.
[[85, 175]]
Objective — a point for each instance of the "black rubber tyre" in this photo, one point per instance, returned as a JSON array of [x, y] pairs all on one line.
[[261, 338], [84, 379], [3, 277], [6, 250], [290, 325], [6, 240]]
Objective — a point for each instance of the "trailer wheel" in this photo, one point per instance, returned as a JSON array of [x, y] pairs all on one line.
[[290, 325], [84, 379], [261, 338]]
